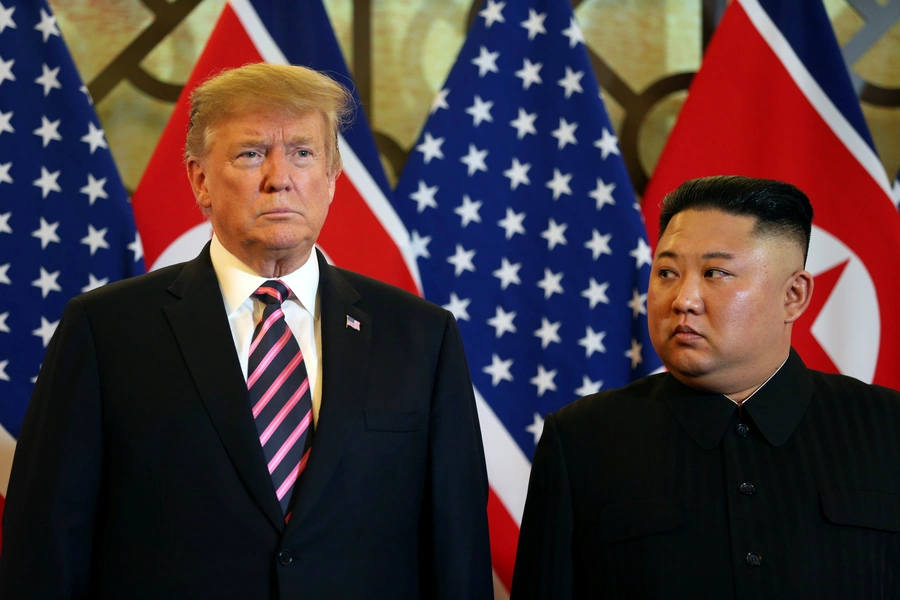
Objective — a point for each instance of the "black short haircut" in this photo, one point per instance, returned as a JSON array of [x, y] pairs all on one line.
[[780, 209]]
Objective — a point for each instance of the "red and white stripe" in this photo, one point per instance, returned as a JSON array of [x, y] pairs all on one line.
[[818, 99]]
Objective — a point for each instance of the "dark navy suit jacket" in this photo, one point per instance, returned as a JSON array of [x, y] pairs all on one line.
[[138, 473]]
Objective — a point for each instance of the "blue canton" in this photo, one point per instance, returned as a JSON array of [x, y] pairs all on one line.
[[524, 222], [65, 222]]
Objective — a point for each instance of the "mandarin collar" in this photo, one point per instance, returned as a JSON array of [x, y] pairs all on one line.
[[776, 409]]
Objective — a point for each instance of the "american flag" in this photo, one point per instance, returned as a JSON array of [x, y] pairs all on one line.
[[65, 222], [525, 227]]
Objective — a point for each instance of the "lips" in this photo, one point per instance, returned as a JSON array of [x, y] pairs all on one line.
[[685, 333], [277, 212]]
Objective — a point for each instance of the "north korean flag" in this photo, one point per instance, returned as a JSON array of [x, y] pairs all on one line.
[[773, 99]]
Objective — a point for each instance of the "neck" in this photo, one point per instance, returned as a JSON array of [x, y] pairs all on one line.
[[272, 264], [274, 269]]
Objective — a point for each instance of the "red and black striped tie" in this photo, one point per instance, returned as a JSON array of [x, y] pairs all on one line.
[[279, 393]]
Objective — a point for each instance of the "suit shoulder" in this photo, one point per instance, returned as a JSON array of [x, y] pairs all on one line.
[[138, 286], [846, 388], [634, 399], [373, 290]]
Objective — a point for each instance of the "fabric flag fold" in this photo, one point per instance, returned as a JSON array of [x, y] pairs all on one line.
[[773, 99], [363, 233], [524, 224], [895, 189], [66, 225]]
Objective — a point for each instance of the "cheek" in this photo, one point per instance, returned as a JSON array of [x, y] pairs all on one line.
[[655, 309], [659, 301], [741, 300], [734, 310], [746, 310]]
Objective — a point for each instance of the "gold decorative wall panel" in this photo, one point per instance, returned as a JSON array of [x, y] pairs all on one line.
[[135, 56]]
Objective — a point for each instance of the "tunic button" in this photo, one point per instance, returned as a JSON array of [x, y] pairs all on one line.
[[748, 489], [754, 559], [742, 430], [285, 557]]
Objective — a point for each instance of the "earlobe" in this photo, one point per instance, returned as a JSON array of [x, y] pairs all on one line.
[[198, 182], [332, 183], [798, 295]]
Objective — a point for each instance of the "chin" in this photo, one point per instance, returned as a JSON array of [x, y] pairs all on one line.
[[687, 367], [285, 238]]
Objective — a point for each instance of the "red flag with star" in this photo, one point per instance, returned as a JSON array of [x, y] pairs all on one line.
[[773, 99]]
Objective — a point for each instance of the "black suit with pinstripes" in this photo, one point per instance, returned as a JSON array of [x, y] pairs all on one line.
[[656, 490]]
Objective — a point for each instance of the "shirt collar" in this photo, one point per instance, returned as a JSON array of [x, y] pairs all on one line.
[[776, 410], [760, 387], [238, 281], [779, 406]]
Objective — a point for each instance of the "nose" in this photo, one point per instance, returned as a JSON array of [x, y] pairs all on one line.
[[688, 298], [276, 173]]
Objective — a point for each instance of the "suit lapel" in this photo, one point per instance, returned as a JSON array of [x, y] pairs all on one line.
[[345, 367], [200, 325]]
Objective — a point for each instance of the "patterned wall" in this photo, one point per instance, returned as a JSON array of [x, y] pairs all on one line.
[[136, 54]]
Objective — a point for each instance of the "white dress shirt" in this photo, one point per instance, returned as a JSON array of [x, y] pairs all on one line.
[[237, 282]]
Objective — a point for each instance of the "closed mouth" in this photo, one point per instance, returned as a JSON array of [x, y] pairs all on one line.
[[683, 332]]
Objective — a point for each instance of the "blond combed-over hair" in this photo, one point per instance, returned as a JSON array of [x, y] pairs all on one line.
[[263, 86]]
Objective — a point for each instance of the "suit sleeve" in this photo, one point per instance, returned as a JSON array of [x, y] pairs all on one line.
[[48, 519], [544, 563], [455, 530]]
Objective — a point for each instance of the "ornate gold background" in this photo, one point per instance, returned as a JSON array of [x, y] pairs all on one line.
[[135, 56]]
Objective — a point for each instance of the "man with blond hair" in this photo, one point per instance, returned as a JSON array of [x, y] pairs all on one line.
[[254, 423]]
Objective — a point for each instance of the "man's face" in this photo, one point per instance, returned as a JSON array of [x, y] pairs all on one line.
[[265, 185], [721, 301]]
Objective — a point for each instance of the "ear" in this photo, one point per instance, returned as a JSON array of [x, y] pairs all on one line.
[[332, 182], [798, 293], [197, 177]]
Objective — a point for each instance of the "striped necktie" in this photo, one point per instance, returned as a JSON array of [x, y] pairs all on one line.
[[279, 393]]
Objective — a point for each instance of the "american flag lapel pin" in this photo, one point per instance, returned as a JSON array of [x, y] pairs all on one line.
[[351, 322]]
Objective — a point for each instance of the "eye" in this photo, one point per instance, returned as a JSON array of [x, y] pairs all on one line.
[[303, 153], [249, 154], [666, 273], [715, 273]]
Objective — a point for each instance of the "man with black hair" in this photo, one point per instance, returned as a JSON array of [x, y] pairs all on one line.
[[740, 473]]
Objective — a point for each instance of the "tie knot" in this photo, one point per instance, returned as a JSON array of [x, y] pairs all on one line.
[[273, 292]]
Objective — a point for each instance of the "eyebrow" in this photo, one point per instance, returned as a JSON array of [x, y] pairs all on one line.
[[301, 140], [250, 143], [709, 255], [262, 141]]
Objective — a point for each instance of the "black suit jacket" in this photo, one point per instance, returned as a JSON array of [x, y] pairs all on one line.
[[138, 472], [656, 490]]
